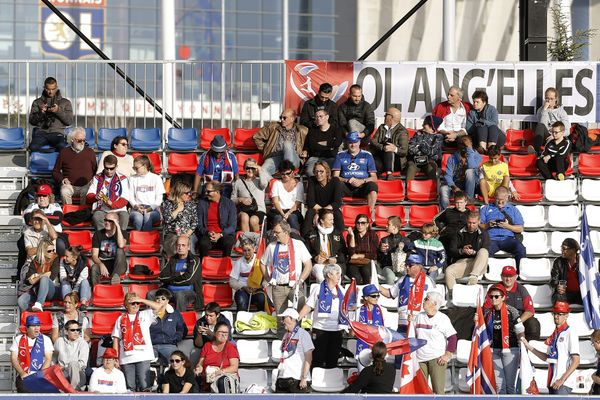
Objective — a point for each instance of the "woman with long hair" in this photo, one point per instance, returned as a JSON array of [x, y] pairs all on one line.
[[70, 312], [377, 377], [287, 195], [179, 378], [249, 195], [179, 216], [362, 247], [39, 278], [324, 191], [146, 190]]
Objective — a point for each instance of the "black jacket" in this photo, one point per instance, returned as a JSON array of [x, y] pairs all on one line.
[[362, 112], [478, 240], [309, 109], [193, 276], [336, 240]]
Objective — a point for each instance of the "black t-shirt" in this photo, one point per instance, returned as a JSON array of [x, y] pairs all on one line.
[[332, 138], [176, 382], [107, 246], [330, 194], [513, 318], [368, 382]]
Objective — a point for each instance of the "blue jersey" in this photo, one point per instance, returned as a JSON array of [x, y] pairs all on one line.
[[359, 166], [491, 212]]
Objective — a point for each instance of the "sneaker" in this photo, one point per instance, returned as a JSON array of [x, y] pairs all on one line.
[[473, 279], [560, 177], [115, 280], [37, 307], [530, 149]]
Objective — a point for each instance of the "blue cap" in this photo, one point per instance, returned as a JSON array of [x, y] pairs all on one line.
[[413, 259], [369, 289], [352, 137], [32, 320]]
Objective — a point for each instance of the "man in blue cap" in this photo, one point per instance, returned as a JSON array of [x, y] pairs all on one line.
[[356, 169], [401, 290], [217, 164], [30, 352]]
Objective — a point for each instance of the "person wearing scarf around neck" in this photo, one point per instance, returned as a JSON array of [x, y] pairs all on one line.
[[238, 280], [296, 356], [132, 341], [562, 354], [325, 300], [118, 148], [369, 313], [217, 165], [326, 244], [505, 329], [30, 352]]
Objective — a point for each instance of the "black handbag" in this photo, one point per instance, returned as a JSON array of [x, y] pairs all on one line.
[[253, 207]]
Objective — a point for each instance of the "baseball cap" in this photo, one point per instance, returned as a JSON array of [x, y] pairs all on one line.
[[369, 289], [509, 270], [499, 287], [413, 259], [353, 137], [290, 312], [32, 320], [43, 190]]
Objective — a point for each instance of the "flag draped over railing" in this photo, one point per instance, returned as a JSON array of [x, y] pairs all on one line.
[[589, 279], [480, 368]]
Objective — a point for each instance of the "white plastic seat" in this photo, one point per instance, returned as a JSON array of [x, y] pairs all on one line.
[[533, 216], [462, 380], [246, 316], [253, 351], [541, 376], [546, 323], [441, 289], [11, 221], [578, 322], [593, 215], [250, 376], [583, 381], [495, 266], [535, 360], [564, 216], [590, 189], [276, 350], [595, 239], [541, 295], [535, 269], [328, 380], [463, 349], [556, 239], [587, 353], [351, 346], [561, 191], [388, 302], [465, 295], [536, 243]]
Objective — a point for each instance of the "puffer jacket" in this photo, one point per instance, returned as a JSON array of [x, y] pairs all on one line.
[[362, 112]]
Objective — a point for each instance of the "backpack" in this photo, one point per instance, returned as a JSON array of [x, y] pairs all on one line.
[[580, 140]]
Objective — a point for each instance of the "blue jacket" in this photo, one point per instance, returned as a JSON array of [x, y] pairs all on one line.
[[473, 161], [487, 117], [227, 216], [491, 212], [170, 329]]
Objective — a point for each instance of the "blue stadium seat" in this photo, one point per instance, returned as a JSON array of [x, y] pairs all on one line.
[[145, 139], [42, 163], [90, 138], [12, 138], [106, 135], [182, 139]]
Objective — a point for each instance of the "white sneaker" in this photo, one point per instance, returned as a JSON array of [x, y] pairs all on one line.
[[473, 279], [37, 307]]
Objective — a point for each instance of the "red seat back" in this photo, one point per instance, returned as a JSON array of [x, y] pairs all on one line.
[[216, 268], [383, 212], [518, 139], [242, 157], [419, 215], [530, 190], [242, 139], [68, 208], [80, 238], [45, 319], [207, 135], [190, 318], [108, 295], [522, 165], [182, 162], [151, 262], [349, 212], [103, 322], [144, 242], [219, 293], [155, 159], [390, 191], [589, 164], [141, 289], [421, 190]]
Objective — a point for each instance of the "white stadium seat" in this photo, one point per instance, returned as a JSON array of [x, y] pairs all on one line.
[[593, 215], [556, 239], [536, 243], [495, 266], [250, 376], [564, 216], [275, 350], [578, 322], [541, 295], [590, 189], [466, 295], [561, 191], [533, 216], [587, 353], [535, 269], [328, 380], [462, 380], [535, 360], [253, 351], [546, 323], [463, 348]]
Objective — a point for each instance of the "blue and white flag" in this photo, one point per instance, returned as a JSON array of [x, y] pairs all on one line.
[[589, 279]]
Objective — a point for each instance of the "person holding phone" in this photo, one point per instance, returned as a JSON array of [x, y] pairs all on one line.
[[50, 114]]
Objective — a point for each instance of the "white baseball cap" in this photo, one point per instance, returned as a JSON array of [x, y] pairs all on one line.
[[290, 312]]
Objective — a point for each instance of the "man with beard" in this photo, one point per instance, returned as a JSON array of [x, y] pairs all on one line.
[[321, 101], [75, 167], [356, 115]]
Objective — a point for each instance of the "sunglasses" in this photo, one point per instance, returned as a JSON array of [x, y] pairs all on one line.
[[49, 251], [283, 117], [135, 303], [110, 168], [362, 222], [37, 220], [124, 144], [79, 140], [41, 195], [211, 190], [374, 296], [173, 361], [108, 220], [559, 314], [495, 296], [250, 168], [75, 330]]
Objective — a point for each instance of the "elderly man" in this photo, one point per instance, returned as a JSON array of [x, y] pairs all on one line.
[[285, 265], [390, 144], [30, 352], [218, 165], [504, 224], [183, 276], [454, 113], [108, 251], [50, 114], [321, 101], [356, 169], [469, 253], [75, 167], [322, 142], [217, 221], [356, 115], [283, 140], [109, 192], [71, 353], [296, 356], [562, 353], [462, 172]]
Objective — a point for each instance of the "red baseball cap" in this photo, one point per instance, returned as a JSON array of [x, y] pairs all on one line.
[[43, 190], [561, 307], [110, 353], [509, 270], [499, 287]]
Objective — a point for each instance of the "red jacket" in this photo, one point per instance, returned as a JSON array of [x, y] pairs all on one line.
[[442, 109]]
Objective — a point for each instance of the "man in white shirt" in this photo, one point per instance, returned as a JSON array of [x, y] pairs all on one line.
[[454, 113], [296, 356]]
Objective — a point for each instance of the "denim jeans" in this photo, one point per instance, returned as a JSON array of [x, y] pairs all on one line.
[[55, 140], [144, 222], [163, 352], [471, 181], [506, 365], [271, 164], [85, 291], [44, 290], [137, 372], [510, 245], [243, 300]]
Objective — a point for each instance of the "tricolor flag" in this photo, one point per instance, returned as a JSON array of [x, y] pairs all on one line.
[[589, 280], [527, 374], [49, 380], [412, 379], [480, 368]]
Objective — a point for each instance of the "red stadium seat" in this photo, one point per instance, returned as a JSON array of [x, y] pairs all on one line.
[[141, 289], [522, 165], [103, 322], [530, 190], [190, 318], [445, 158], [518, 139], [153, 263], [242, 157], [592, 132], [589, 164], [350, 212], [242, 139], [182, 162], [144, 242], [421, 190], [419, 215], [383, 212], [155, 159], [390, 191], [485, 158], [68, 208], [216, 268], [80, 238], [207, 135], [45, 319], [109, 296], [219, 293]]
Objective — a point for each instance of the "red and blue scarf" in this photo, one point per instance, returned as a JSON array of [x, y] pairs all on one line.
[[213, 169], [115, 186], [552, 343], [31, 360], [289, 344], [371, 317], [489, 324], [325, 302], [284, 264]]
